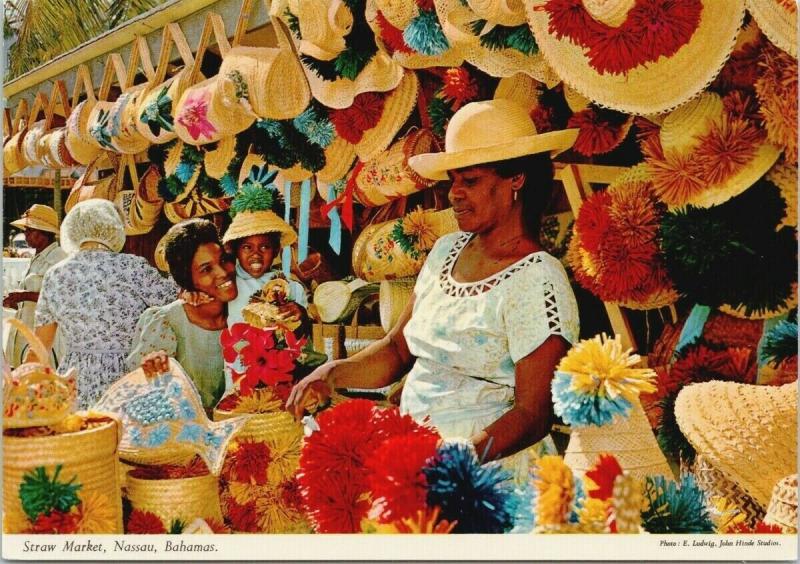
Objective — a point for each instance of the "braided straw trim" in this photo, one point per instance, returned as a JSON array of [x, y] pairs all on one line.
[[90, 456], [185, 499], [630, 440], [777, 23], [715, 484]]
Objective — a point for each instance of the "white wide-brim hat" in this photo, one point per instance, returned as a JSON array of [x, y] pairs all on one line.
[[472, 135]]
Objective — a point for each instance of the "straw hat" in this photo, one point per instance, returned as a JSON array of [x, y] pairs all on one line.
[[491, 47], [466, 142], [30, 143], [323, 26], [270, 78], [338, 300], [663, 69], [209, 111], [778, 20], [716, 484], [217, 161], [387, 176], [125, 137], [394, 26], [249, 223], [782, 510], [747, 432], [630, 440], [398, 248], [78, 141], [156, 108], [339, 157], [38, 216], [394, 297], [13, 157], [686, 137]]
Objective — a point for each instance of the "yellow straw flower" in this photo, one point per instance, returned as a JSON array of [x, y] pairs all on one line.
[[594, 513], [416, 225], [425, 522], [600, 366], [554, 487], [285, 448], [262, 400], [97, 515], [726, 514]]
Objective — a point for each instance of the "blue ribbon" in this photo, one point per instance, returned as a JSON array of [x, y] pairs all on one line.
[[305, 214], [286, 258], [693, 328], [335, 237]]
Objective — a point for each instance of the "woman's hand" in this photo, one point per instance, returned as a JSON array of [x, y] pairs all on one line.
[[314, 388], [155, 363], [194, 298]]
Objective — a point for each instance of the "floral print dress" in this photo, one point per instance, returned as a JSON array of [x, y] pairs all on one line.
[[96, 298], [467, 338]]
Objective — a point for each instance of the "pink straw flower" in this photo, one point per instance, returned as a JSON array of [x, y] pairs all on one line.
[[194, 116]]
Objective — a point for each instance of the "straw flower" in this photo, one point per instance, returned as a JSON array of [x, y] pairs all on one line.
[[776, 89], [96, 514], [416, 226], [459, 87], [594, 512], [725, 514], [261, 400], [554, 486], [194, 116], [423, 522], [285, 448]]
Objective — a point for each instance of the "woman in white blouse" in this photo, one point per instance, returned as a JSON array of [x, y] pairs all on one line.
[[492, 313]]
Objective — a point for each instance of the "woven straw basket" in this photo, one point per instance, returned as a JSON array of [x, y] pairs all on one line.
[[184, 498], [782, 510], [90, 456], [264, 426], [630, 440], [716, 484]]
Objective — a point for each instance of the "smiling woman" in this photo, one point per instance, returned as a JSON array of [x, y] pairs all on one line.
[[190, 333]]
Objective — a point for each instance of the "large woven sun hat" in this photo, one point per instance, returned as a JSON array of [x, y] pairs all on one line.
[[245, 224], [687, 168], [598, 48], [398, 248], [341, 60], [614, 251], [38, 216], [410, 32], [520, 88], [270, 78], [466, 143], [387, 176], [339, 157], [782, 509], [78, 140], [209, 111], [100, 125], [94, 220], [748, 432], [157, 107], [716, 484], [778, 20], [477, 31], [394, 297]]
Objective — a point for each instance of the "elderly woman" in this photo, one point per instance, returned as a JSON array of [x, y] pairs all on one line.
[[95, 297], [492, 313], [40, 225], [190, 333]]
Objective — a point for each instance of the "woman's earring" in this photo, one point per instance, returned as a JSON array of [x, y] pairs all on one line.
[[516, 193]]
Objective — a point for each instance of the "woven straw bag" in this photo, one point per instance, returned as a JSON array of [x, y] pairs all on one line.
[[79, 141], [13, 159], [715, 484], [782, 510], [90, 456], [394, 297], [264, 426], [86, 188], [183, 499], [630, 440]]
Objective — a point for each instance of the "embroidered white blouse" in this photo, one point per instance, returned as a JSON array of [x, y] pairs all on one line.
[[467, 337]]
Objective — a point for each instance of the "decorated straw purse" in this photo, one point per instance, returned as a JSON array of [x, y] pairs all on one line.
[[52, 149], [88, 186], [60, 469], [30, 143]]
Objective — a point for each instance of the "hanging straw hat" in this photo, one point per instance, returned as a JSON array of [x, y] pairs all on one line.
[[30, 143], [155, 111], [78, 141], [339, 157], [411, 34], [13, 156], [778, 20], [747, 432], [387, 176], [776, 90], [394, 297], [494, 36], [782, 510], [38, 216], [692, 43], [398, 248], [56, 152], [325, 34], [124, 134], [270, 78], [466, 142], [209, 111], [685, 168]]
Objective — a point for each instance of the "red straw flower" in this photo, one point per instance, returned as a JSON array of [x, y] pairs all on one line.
[[334, 502], [726, 149], [601, 130], [363, 114], [459, 87], [391, 36], [396, 479], [602, 475], [291, 496], [623, 267], [243, 517], [145, 523], [593, 221], [249, 462], [57, 522]]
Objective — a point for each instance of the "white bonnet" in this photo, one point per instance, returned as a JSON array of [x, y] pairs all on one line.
[[95, 220]]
